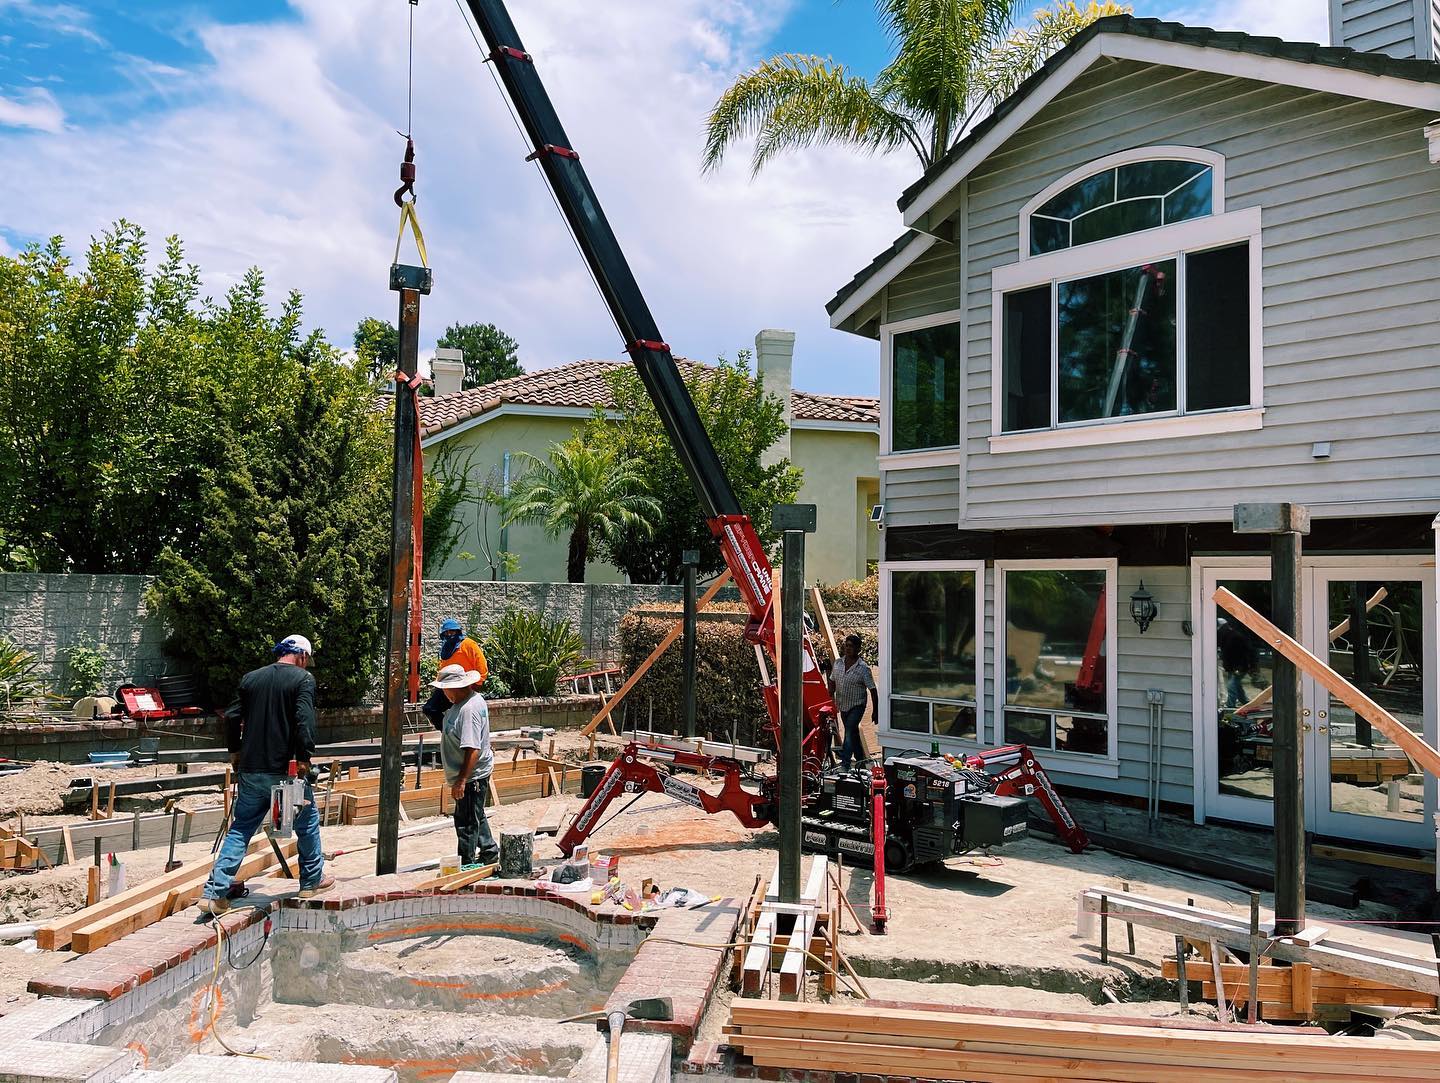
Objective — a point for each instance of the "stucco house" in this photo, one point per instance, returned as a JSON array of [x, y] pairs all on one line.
[[1178, 269], [832, 439]]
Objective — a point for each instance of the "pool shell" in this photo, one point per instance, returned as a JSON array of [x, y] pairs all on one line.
[[147, 989]]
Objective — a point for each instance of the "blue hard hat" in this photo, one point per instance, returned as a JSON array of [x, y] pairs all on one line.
[[450, 625]]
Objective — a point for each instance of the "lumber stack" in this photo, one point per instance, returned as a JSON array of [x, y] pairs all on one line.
[[956, 1045], [1295, 992], [358, 800], [110, 919]]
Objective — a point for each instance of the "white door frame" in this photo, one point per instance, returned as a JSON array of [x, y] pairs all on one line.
[[1209, 802]]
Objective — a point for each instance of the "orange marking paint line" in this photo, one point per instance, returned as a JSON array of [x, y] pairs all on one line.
[[570, 939], [455, 927], [515, 994], [438, 984], [139, 1047]]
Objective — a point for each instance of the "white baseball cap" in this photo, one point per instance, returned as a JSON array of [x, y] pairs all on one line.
[[294, 645]]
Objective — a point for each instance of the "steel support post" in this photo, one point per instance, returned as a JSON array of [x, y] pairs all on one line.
[[410, 283], [691, 558], [1286, 524], [794, 521]]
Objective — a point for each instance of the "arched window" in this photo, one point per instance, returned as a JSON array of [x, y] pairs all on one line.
[[1119, 194]]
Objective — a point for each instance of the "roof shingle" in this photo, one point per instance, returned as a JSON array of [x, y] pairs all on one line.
[[583, 385]]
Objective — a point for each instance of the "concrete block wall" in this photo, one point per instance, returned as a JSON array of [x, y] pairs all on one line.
[[45, 614]]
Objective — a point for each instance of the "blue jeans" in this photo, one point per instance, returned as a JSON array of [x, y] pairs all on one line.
[[252, 805], [851, 747]]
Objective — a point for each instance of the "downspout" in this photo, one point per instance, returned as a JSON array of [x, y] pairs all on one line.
[[504, 530]]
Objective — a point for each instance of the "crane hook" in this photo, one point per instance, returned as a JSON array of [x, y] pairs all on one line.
[[407, 174]]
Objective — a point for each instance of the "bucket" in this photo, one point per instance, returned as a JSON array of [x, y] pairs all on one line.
[[590, 776]]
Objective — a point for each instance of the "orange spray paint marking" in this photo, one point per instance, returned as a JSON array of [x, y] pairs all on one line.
[[575, 940], [209, 1001], [139, 1047], [456, 927], [516, 994]]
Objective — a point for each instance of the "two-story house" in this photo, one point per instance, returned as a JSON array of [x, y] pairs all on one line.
[[1177, 270]]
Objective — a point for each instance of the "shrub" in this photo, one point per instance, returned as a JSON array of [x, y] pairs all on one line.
[[852, 595], [85, 662], [529, 654], [18, 676]]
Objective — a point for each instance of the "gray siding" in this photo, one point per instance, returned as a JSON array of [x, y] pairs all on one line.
[[1404, 29], [1161, 659], [1351, 239], [921, 496], [931, 284]]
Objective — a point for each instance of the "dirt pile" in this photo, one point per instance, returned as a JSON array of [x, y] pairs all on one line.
[[35, 791]]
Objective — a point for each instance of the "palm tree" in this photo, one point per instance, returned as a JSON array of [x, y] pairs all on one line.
[[584, 491], [952, 60]]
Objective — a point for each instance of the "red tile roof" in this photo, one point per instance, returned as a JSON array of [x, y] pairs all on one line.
[[582, 384]]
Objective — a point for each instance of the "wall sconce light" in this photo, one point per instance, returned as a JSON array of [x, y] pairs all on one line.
[[1142, 607]]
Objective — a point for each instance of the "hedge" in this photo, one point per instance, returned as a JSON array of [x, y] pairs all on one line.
[[727, 682]]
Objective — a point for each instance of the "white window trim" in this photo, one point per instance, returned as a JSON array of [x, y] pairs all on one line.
[[1118, 253], [1166, 153], [899, 459], [1107, 766], [882, 724]]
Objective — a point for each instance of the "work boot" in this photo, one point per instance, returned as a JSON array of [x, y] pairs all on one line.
[[325, 884], [215, 907]]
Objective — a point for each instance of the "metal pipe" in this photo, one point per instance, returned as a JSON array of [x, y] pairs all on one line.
[[792, 713], [691, 558], [1288, 748]]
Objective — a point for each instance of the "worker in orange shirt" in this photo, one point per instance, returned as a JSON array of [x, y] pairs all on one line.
[[456, 649]]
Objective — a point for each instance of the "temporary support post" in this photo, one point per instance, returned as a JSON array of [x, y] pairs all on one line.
[[411, 283], [794, 521], [1286, 524], [690, 558]]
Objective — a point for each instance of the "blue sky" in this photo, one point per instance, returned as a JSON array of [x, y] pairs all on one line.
[[262, 132]]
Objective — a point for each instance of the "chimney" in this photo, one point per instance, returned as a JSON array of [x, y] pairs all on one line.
[[1402, 29], [447, 370], [774, 353]]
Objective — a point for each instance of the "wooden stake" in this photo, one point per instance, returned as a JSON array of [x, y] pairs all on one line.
[[1252, 1008], [92, 885], [1129, 928], [644, 667], [69, 844], [94, 800], [1180, 969], [1221, 1004], [110, 804]]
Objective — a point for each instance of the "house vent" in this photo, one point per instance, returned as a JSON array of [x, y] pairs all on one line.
[[1403, 29]]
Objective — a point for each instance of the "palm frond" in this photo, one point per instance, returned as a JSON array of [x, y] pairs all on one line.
[[794, 101], [1021, 54]]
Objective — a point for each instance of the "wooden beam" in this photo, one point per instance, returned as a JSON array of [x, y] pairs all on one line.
[[823, 616], [158, 904], [1413, 746], [1424, 865], [644, 667]]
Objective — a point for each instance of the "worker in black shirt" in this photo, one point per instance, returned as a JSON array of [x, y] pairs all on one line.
[[271, 722]]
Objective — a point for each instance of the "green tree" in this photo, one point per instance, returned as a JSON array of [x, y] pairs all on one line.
[[103, 401], [952, 60], [588, 493], [377, 346], [293, 539], [742, 421], [490, 354]]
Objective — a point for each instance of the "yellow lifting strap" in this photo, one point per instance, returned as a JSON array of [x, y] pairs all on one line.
[[408, 214]]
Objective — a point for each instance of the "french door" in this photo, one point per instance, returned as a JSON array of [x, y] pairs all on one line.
[[1373, 621]]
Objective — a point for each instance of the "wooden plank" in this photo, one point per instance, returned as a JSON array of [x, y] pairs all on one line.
[[644, 667], [112, 927], [465, 879], [823, 616], [1414, 746], [1423, 865], [69, 841]]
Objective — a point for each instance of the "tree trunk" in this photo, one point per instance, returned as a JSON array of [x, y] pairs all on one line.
[[579, 553]]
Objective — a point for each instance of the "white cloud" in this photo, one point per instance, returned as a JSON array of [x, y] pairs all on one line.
[[60, 18], [34, 108], [1293, 20], [284, 155]]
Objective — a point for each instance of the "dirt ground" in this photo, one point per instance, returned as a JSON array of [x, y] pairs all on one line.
[[991, 931]]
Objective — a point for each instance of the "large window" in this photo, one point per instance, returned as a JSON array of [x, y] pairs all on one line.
[[1137, 301], [1054, 670], [925, 387], [933, 649]]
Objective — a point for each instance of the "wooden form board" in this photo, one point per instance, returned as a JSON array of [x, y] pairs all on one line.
[[770, 950], [118, 835], [187, 881], [519, 780], [1414, 972], [660, 648], [1413, 745], [959, 1046], [1297, 989]]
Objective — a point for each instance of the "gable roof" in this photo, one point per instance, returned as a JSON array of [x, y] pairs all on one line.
[[1342, 71], [582, 386]]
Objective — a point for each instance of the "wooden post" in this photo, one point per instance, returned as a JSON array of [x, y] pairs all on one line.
[[110, 803], [411, 283], [1129, 927], [94, 800], [1285, 524], [1104, 929], [92, 885]]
